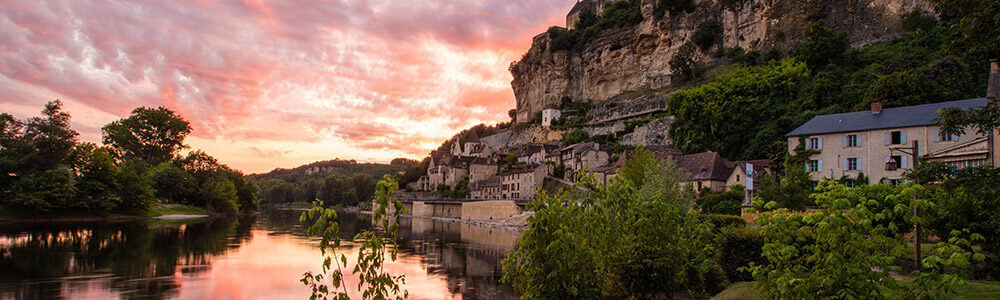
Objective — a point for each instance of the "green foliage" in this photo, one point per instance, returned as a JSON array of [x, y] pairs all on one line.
[[682, 64], [631, 237], [822, 46], [738, 247], [174, 184], [983, 120], [970, 200], [219, 196], [460, 190], [728, 203], [722, 221], [576, 135], [848, 249], [918, 19], [792, 190], [616, 15], [673, 6], [904, 88], [374, 282], [153, 135], [707, 34], [718, 115]]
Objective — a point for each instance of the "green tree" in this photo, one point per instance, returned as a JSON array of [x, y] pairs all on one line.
[[375, 282], [615, 239], [822, 46], [576, 135], [849, 250], [150, 134], [96, 185], [337, 190], [792, 190], [707, 34], [364, 187], [682, 64], [219, 195], [174, 184]]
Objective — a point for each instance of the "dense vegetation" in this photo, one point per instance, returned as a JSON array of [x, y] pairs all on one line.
[[44, 169], [616, 15], [644, 235], [935, 61], [335, 182]]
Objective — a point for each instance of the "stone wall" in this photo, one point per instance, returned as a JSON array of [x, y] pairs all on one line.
[[489, 210]]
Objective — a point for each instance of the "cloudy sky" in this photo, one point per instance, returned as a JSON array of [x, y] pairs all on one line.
[[271, 84]]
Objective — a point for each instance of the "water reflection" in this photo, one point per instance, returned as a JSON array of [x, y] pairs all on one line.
[[133, 259], [252, 257]]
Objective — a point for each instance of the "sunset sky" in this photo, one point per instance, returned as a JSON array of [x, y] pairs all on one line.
[[271, 84]]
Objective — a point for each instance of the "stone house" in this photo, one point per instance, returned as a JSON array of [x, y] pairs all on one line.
[[536, 154], [578, 157], [522, 181], [867, 137], [707, 170], [738, 173], [488, 189], [482, 169], [549, 115]]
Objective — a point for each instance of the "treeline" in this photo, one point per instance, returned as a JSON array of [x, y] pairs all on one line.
[[935, 61], [335, 182], [44, 169]]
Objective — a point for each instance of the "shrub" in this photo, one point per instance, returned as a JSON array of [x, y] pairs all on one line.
[[738, 247], [707, 34], [721, 221], [728, 203], [682, 64], [575, 136]]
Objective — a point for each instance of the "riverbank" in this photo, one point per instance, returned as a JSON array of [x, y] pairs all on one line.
[[515, 223], [162, 211]]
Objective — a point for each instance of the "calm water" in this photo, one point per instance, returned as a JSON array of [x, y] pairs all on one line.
[[260, 257]]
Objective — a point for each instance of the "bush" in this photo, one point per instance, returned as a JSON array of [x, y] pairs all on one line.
[[682, 64], [738, 246], [918, 19], [707, 34], [576, 135], [673, 6], [728, 203], [722, 221]]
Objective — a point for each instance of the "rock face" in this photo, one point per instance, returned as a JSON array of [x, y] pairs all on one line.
[[637, 58]]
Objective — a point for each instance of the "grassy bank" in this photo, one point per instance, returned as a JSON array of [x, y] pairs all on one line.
[[975, 290], [7, 215]]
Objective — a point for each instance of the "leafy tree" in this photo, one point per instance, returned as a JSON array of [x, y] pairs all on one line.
[[822, 46], [615, 239], [135, 187], [219, 195], [174, 184], [970, 200], [792, 190], [337, 190], [96, 186], [911, 87], [707, 34], [728, 203], [375, 283], [718, 115], [364, 187], [682, 64], [150, 134], [918, 19], [849, 249], [738, 247]]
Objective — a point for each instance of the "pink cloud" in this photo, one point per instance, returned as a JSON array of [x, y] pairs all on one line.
[[280, 71]]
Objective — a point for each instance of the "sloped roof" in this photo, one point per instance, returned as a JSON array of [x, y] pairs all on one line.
[[704, 166], [908, 116]]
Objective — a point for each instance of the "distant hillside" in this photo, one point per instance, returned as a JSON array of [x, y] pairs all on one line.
[[321, 169]]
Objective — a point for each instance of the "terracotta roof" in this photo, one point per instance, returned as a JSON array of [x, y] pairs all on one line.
[[704, 166]]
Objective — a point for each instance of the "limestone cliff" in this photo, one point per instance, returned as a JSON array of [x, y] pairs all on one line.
[[637, 58]]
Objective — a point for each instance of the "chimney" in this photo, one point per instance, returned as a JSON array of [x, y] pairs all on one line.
[[993, 86], [876, 108]]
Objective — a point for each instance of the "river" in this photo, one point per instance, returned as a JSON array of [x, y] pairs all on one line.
[[257, 257]]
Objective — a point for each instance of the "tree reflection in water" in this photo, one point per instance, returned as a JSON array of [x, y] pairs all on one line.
[[134, 259]]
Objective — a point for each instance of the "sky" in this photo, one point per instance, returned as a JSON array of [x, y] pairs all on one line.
[[268, 84]]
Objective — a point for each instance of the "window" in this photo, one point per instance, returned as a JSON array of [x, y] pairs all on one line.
[[852, 164], [812, 166], [945, 137], [899, 161], [814, 143], [896, 138], [852, 141]]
